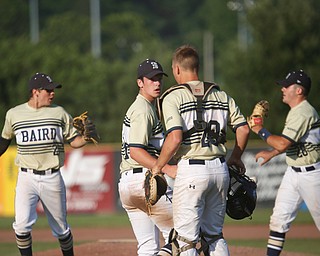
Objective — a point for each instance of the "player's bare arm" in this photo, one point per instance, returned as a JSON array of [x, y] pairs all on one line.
[[279, 143], [266, 156], [170, 146], [241, 139], [78, 142], [141, 156]]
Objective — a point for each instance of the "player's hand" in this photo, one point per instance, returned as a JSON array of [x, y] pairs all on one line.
[[265, 155], [170, 170], [238, 164], [156, 170]]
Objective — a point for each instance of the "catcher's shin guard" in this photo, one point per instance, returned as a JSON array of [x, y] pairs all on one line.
[[206, 240], [173, 239]]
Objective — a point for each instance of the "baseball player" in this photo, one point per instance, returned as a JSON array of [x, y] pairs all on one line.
[[142, 138], [300, 139], [40, 129], [196, 115]]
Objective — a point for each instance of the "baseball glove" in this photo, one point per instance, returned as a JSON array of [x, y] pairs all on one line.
[[155, 186], [260, 111], [86, 128]]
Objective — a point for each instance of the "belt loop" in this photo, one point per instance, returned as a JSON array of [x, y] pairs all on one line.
[[137, 170], [310, 168], [203, 162], [132, 171], [303, 169], [197, 161], [296, 169], [222, 159]]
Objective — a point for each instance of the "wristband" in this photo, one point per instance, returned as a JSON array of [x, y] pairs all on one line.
[[264, 134]]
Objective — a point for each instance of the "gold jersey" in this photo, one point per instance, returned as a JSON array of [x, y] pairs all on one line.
[[40, 135], [141, 128], [219, 110], [302, 127]]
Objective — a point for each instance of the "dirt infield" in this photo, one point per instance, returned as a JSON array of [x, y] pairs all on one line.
[[107, 241]]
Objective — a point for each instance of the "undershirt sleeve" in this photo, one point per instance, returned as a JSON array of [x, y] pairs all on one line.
[[4, 144]]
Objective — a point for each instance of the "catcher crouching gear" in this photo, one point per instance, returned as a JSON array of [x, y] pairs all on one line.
[[242, 195], [86, 128], [155, 186], [260, 111]]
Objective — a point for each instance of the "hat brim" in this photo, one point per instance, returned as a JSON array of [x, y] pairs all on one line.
[[284, 83], [154, 73], [52, 86]]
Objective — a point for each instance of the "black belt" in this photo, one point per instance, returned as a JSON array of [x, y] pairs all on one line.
[[137, 170], [39, 172], [308, 169], [203, 162], [134, 170]]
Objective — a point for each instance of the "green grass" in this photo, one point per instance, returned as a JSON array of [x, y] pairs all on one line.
[[310, 246], [10, 249], [260, 217], [78, 220]]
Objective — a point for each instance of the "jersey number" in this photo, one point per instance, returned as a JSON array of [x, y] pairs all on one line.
[[211, 136], [125, 150]]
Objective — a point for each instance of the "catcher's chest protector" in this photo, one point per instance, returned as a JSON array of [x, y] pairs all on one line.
[[199, 124]]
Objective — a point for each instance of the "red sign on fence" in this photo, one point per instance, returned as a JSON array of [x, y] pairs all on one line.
[[89, 180]]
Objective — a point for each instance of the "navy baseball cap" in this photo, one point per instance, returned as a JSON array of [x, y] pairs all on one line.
[[43, 81], [296, 77], [149, 68]]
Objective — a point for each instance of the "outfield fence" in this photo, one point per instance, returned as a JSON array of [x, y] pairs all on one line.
[[91, 175]]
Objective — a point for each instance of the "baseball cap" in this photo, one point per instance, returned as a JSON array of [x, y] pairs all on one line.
[[296, 77], [41, 80], [149, 68]]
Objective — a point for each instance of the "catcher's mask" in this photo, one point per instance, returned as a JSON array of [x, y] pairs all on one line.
[[242, 195]]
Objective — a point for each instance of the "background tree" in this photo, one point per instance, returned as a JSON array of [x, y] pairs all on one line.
[[282, 39]]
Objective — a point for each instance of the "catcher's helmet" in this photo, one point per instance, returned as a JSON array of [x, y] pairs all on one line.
[[242, 195]]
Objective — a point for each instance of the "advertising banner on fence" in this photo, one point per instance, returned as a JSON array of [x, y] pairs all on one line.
[[89, 179], [268, 176], [8, 179], [89, 175]]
